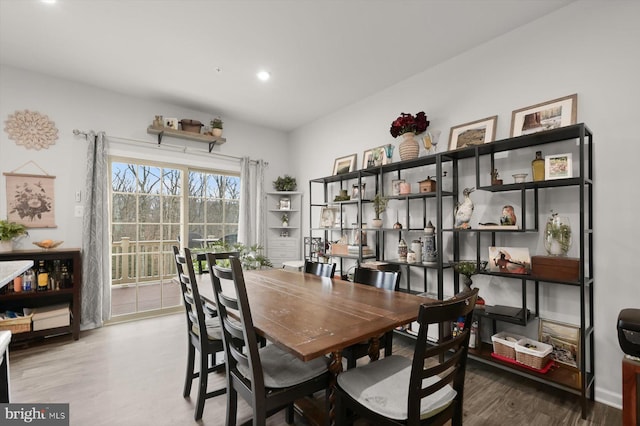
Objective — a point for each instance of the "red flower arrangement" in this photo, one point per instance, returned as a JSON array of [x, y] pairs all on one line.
[[408, 123]]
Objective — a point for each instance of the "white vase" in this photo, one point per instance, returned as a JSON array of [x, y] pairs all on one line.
[[6, 246], [376, 223], [216, 132]]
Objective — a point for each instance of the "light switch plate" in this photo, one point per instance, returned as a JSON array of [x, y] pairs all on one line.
[[79, 211]]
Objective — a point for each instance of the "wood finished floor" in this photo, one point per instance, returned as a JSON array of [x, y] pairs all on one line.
[[131, 374]]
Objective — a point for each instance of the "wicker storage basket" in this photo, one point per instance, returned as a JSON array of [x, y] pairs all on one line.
[[536, 356], [17, 325], [504, 344]]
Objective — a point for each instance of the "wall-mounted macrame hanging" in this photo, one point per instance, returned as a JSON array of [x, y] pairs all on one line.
[[30, 198], [31, 129]]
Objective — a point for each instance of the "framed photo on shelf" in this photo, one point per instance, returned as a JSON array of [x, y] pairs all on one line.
[[565, 339], [344, 164], [171, 123], [395, 186], [285, 204], [377, 155], [545, 116], [473, 133], [558, 166], [509, 260], [328, 217]]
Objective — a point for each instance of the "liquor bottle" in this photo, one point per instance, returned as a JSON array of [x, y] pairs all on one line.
[[537, 167], [43, 277], [65, 277], [27, 280]]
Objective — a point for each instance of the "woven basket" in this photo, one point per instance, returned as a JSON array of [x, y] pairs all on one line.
[[504, 347], [537, 357], [17, 325]]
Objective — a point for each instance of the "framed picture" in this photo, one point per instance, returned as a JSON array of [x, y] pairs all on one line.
[[565, 339], [473, 133], [557, 166], [172, 123], [285, 204], [328, 217], [31, 200], [375, 156], [545, 116], [395, 186], [509, 260], [345, 164]]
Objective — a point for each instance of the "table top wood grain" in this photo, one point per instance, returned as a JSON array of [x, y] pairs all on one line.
[[312, 316]]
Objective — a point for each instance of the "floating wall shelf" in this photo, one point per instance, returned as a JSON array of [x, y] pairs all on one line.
[[181, 134]]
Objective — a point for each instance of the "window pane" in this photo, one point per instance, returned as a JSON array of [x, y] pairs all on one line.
[[232, 211], [149, 233], [149, 208], [123, 177], [149, 179], [214, 211], [196, 210], [123, 208], [171, 209], [171, 182], [120, 231], [232, 187]]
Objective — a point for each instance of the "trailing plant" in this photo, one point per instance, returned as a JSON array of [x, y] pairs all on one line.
[[11, 230], [286, 183], [216, 123], [251, 257]]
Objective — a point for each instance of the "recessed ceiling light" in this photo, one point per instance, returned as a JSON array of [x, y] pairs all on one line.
[[264, 75]]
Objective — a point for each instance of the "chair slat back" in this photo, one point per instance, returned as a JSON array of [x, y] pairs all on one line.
[[388, 280], [190, 294], [237, 324], [320, 269], [452, 350]]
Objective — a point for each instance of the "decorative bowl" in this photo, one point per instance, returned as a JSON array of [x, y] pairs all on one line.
[[519, 177], [47, 244]]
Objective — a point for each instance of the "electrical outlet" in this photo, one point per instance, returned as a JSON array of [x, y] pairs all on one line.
[[79, 211]]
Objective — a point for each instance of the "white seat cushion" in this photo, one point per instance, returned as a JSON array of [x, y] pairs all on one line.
[[214, 332], [383, 387], [281, 369]]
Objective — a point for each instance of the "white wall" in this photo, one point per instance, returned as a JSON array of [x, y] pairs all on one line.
[[75, 106], [589, 48]]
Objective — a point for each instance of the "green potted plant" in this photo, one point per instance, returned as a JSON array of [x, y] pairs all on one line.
[[379, 206], [9, 232], [216, 127], [285, 220], [286, 183]]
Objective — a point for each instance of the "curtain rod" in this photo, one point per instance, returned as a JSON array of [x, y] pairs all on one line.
[[166, 145]]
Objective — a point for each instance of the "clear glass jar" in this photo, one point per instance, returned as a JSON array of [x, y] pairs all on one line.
[[557, 235]]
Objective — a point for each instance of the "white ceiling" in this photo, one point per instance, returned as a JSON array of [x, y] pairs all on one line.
[[322, 54]]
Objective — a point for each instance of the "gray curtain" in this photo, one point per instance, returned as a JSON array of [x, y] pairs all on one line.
[[96, 274], [251, 224]]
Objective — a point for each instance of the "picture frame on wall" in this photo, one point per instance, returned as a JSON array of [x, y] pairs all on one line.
[[285, 203], [345, 164], [565, 340], [558, 166], [473, 133], [31, 200], [544, 116], [171, 123]]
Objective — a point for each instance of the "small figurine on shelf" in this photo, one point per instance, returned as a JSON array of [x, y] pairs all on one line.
[[495, 178], [464, 210]]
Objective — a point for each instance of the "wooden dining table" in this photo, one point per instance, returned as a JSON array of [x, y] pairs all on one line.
[[312, 316]]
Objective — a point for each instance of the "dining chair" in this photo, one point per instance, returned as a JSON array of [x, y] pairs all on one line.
[[203, 333], [427, 390], [268, 378], [320, 269], [387, 280]]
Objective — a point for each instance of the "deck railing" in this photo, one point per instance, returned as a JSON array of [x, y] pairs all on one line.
[[152, 260]]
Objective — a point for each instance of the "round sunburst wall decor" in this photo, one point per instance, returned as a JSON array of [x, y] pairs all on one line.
[[31, 129]]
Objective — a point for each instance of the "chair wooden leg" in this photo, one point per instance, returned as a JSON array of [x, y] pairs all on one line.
[[388, 348], [232, 405], [289, 414], [202, 388], [341, 412], [351, 362], [188, 380]]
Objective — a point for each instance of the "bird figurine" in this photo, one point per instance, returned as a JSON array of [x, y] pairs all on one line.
[[463, 211]]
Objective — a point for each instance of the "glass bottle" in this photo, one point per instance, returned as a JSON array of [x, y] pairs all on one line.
[[43, 277], [65, 277], [27, 280], [537, 167]]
